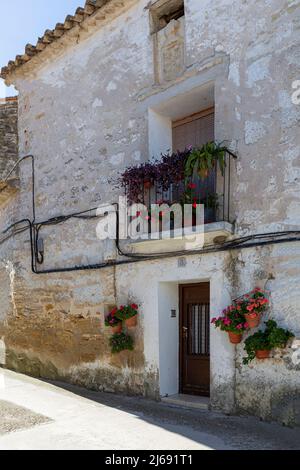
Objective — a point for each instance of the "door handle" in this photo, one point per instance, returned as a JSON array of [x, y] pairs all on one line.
[[185, 332]]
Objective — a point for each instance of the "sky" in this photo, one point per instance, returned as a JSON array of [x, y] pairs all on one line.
[[23, 21]]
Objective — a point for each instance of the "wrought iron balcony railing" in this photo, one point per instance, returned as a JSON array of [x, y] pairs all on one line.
[[212, 189]]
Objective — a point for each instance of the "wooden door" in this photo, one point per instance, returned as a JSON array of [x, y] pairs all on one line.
[[195, 130], [195, 339]]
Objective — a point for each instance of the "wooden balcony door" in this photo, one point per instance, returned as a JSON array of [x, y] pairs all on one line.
[[197, 130], [195, 339]]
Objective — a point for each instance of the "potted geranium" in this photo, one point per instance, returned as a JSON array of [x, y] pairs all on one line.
[[128, 314], [233, 322], [261, 343], [113, 322], [253, 305]]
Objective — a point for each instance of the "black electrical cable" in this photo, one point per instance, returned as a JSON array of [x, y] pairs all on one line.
[[249, 241], [165, 256], [232, 243], [76, 215], [243, 242]]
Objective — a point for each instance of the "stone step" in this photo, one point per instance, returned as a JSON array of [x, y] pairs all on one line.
[[187, 401]]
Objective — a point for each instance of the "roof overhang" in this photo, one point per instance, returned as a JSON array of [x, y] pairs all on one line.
[[84, 18]]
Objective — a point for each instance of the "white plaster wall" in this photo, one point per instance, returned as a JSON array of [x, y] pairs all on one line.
[[160, 330], [168, 300], [160, 134]]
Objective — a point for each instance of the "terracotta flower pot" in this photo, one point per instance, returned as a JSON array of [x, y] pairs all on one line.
[[252, 321], [234, 338], [262, 354], [203, 173], [116, 329], [131, 322]]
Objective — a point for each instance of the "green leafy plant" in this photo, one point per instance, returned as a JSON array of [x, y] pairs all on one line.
[[127, 312], [121, 342], [203, 160], [111, 319], [272, 337]]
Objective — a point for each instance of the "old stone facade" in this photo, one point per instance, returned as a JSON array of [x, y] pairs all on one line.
[[100, 95], [8, 143]]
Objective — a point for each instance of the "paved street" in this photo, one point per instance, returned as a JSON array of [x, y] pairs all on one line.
[[37, 415]]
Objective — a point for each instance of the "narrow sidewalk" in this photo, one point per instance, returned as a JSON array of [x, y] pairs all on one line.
[[40, 416]]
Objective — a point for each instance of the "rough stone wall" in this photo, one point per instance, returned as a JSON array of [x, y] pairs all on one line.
[[84, 117], [8, 134], [8, 202], [270, 389]]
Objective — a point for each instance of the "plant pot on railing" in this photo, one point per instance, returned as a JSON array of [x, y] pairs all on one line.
[[148, 184], [203, 173]]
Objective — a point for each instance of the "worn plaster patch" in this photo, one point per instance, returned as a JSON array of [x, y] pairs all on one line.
[[117, 159], [234, 74], [258, 70], [254, 131], [136, 156], [293, 213], [98, 103], [131, 124], [112, 86]]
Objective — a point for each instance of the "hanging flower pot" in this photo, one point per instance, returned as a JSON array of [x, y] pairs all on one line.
[[128, 314], [263, 354], [253, 319], [233, 323], [235, 338], [121, 342], [113, 322], [262, 342], [203, 173], [116, 329], [131, 322]]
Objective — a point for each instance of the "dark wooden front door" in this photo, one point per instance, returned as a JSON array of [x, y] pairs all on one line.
[[194, 339]]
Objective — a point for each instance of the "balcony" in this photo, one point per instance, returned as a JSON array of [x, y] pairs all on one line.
[[181, 179]]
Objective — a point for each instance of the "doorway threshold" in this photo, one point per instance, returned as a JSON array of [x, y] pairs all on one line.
[[187, 401]]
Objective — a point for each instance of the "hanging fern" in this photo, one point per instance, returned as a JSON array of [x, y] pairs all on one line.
[[203, 160]]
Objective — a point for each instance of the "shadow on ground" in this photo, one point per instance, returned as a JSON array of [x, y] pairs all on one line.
[[211, 429]]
